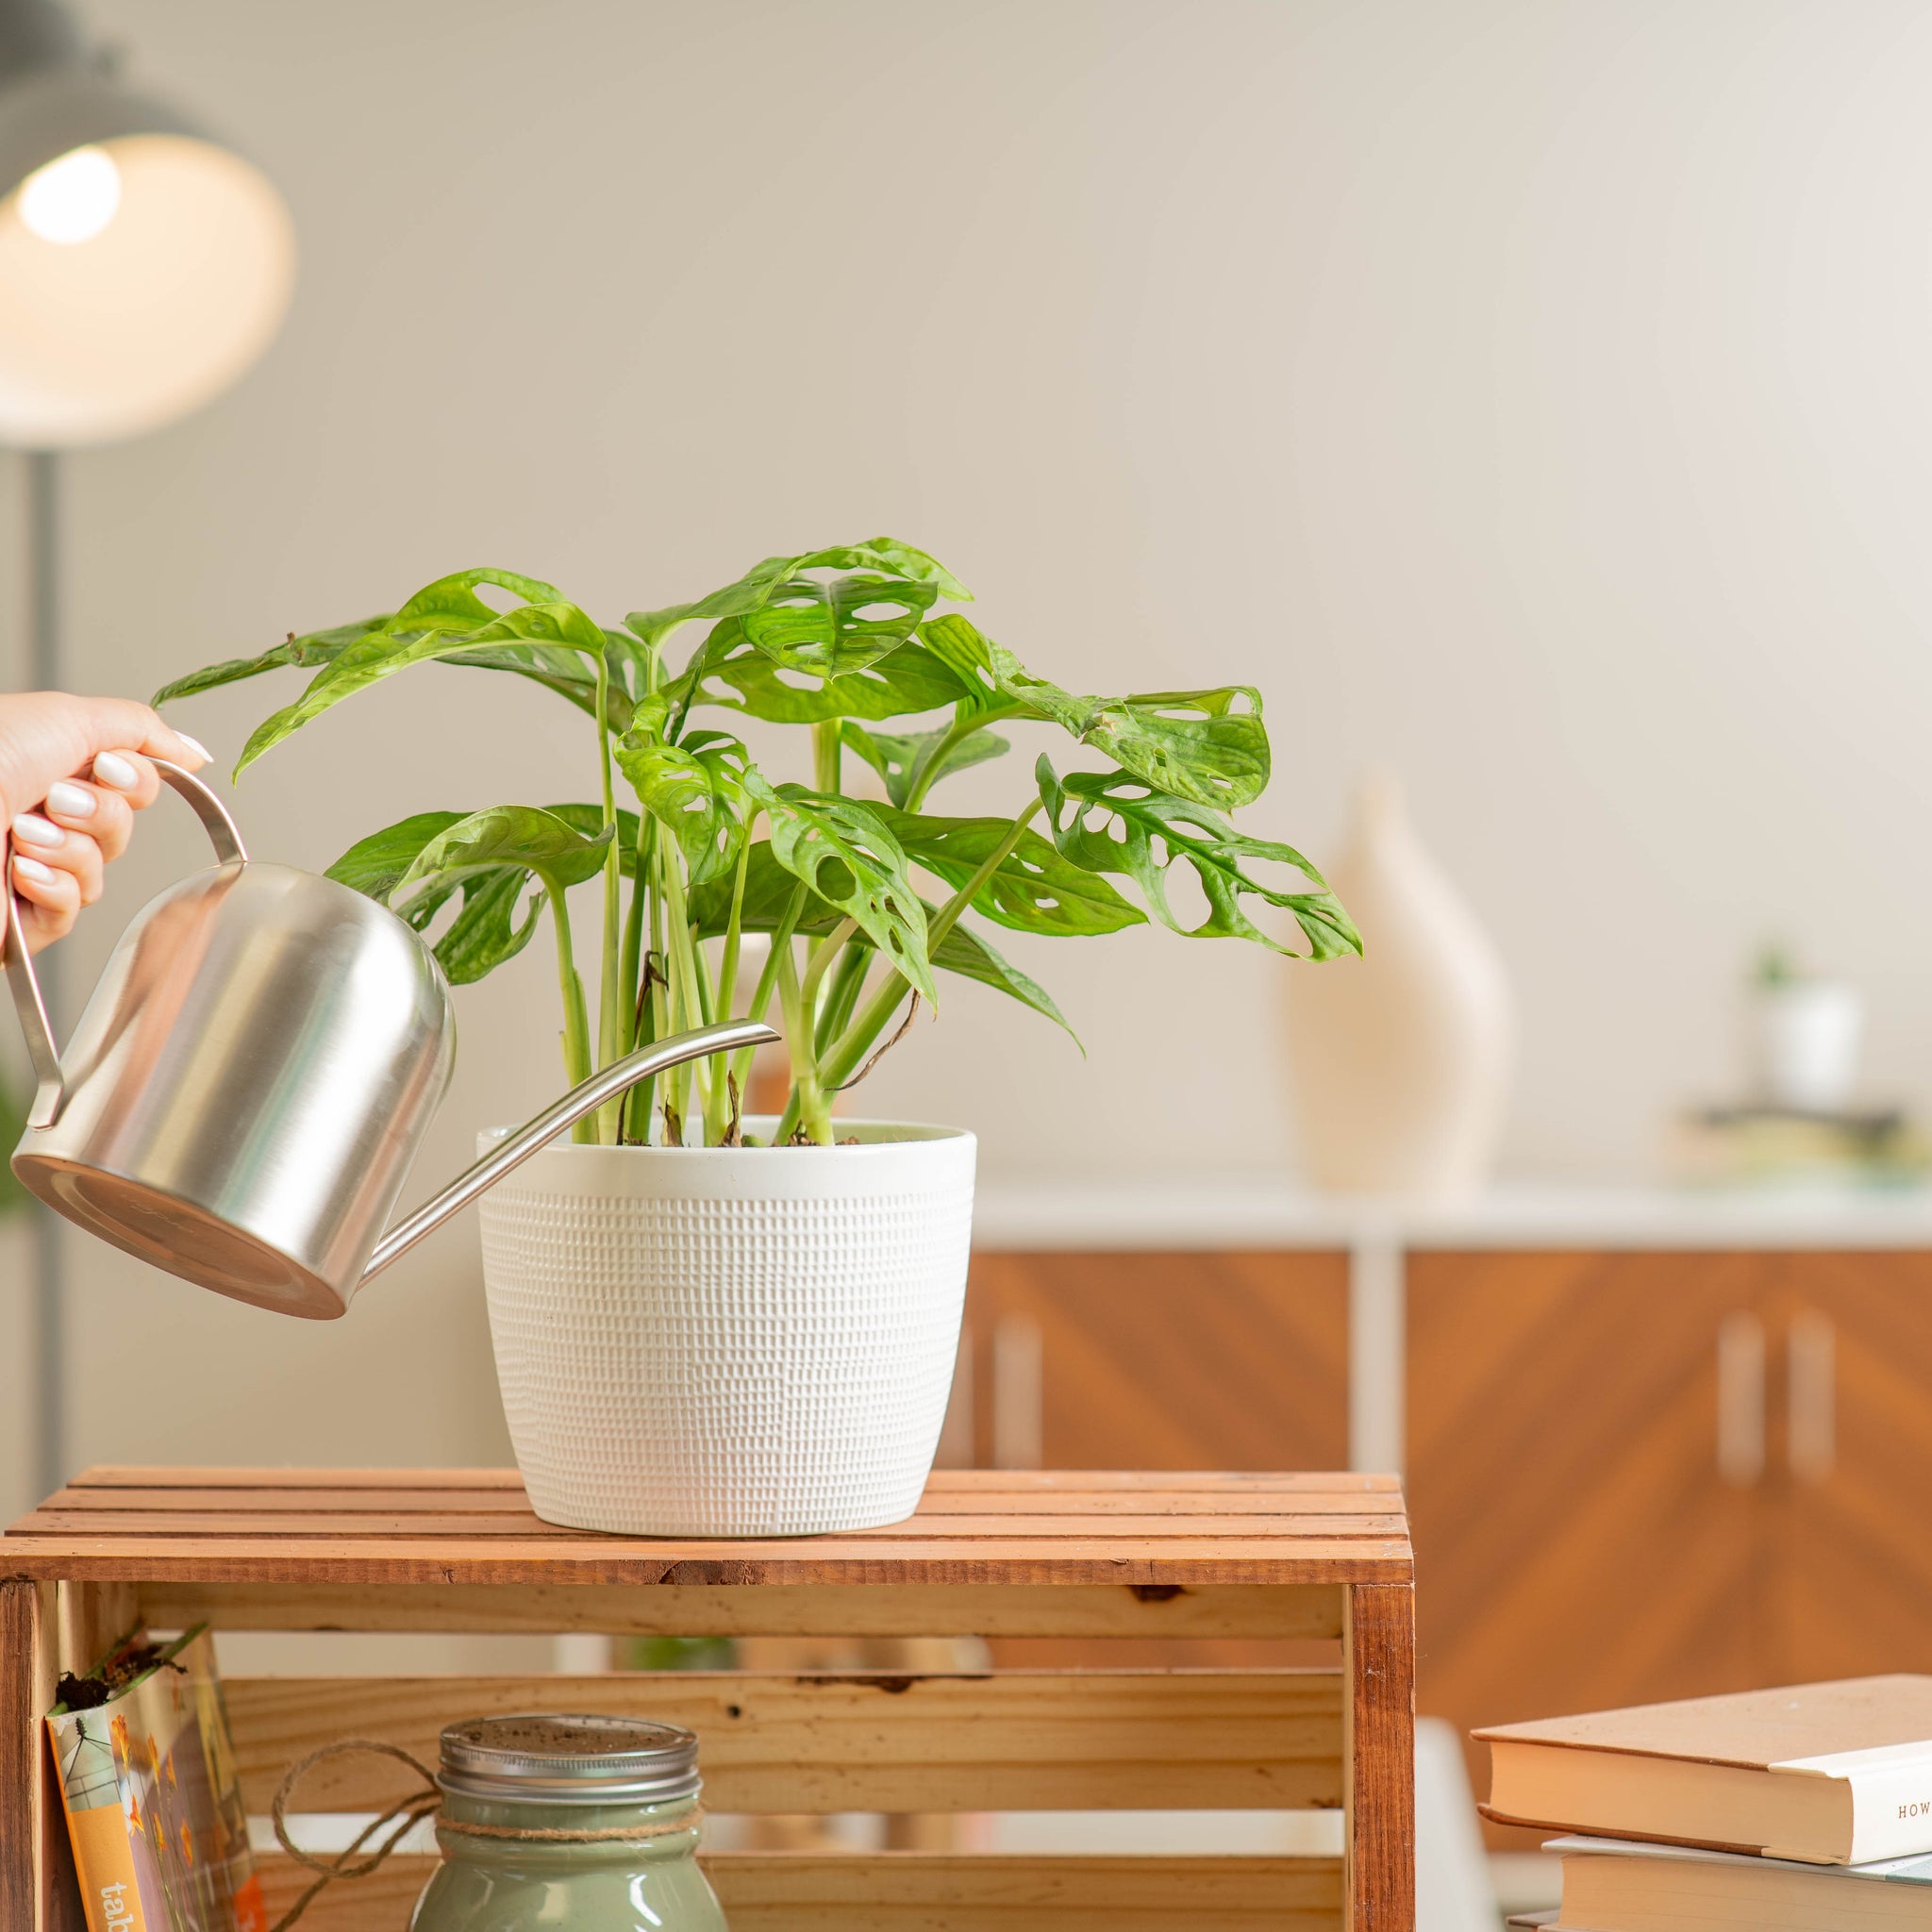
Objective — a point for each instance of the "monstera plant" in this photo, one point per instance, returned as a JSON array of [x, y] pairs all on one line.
[[867, 895]]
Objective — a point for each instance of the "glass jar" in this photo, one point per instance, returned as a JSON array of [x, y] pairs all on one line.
[[588, 1822]]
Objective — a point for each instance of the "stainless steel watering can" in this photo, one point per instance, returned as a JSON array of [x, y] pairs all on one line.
[[245, 1095]]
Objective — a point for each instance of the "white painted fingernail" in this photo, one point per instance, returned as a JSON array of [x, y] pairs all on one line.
[[33, 871], [69, 800], [111, 768], [194, 744], [35, 830]]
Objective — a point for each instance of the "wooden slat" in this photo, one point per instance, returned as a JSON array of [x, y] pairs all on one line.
[[1090, 1610], [1011, 1741], [610, 1559], [943, 1481], [356, 1526], [916, 1891], [940, 1511]]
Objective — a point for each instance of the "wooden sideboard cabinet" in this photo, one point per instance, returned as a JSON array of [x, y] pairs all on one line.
[[1634, 1470]]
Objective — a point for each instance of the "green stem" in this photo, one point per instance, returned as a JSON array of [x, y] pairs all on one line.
[[611, 1000], [927, 773], [835, 1010], [640, 1027], [768, 980], [836, 1067], [834, 944], [829, 748], [807, 1105], [576, 1018]]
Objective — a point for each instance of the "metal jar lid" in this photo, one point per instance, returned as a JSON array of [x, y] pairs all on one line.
[[549, 1760]]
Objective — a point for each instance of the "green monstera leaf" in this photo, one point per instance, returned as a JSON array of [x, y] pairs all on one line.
[[696, 789], [910, 682], [1113, 822], [1210, 747], [846, 856], [831, 629], [442, 621], [486, 930], [1034, 888], [883, 556], [504, 835], [917, 761], [308, 652]]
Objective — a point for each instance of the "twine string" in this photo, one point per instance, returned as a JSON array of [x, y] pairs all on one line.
[[409, 1811]]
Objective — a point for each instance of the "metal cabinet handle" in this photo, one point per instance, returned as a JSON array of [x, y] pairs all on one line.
[[1741, 1398], [1812, 1355], [1018, 1394]]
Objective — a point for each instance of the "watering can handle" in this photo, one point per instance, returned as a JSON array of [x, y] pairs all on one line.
[[24, 985], [584, 1098]]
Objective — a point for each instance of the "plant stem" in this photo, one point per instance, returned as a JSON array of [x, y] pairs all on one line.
[[635, 1130], [837, 1065], [834, 943], [576, 1018], [807, 1105], [767, 979], [828, 747], [927, 772], [611, 1006], [835, 1010], [718, 1108]]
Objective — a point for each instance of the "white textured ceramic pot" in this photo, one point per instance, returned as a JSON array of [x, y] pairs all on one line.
[[730, 1341]]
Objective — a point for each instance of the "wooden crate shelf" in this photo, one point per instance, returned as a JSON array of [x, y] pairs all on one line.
[[1097, 1554]]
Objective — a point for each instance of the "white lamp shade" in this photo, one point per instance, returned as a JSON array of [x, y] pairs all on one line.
[[173, 300]]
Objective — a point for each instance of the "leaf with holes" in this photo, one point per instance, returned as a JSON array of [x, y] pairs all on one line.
[[829, 629], [307, 653], [1133, 819], [844, 853], [1209, 747], [921, 758], [1033, 890], [885, 555], [910, 682], [696, 789]]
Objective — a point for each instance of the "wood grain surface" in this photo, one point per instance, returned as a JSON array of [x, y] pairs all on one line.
[[849, 1742], [975, 1526]]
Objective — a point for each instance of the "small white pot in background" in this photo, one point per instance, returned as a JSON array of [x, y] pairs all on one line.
[[1808, 1037], [730, 1341]]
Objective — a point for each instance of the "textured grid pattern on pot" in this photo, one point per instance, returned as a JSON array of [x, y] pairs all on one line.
[[726, 1367]]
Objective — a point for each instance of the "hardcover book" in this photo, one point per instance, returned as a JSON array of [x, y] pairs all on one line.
[[1823, 1773], [1646, 1887], [153, 1801]]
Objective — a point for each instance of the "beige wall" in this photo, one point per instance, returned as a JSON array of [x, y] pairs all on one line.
[[1533, 397]]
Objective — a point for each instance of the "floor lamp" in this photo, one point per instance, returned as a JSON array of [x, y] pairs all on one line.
[[143, 268]]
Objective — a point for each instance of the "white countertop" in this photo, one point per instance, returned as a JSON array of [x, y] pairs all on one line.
[[1260, 1214]]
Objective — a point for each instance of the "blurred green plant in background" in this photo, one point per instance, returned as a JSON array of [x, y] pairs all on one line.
[[12, 1125]]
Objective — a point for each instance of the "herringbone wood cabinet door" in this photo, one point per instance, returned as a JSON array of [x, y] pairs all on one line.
[[1852, 1464], [1577, 1546]]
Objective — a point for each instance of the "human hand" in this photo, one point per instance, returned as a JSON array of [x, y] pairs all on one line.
[[72, 777]]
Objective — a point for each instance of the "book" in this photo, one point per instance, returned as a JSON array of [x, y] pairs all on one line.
[[1822, 1773], [153, 1800], [1647, 1887]]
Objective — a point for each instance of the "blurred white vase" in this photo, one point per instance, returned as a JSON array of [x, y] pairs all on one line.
[[1809, 1032], [1399, 1061]]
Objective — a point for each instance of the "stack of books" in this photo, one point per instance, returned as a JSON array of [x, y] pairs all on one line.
[[1804, 1810]]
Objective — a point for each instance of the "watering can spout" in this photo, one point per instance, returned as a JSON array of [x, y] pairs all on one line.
[[583, 1099]]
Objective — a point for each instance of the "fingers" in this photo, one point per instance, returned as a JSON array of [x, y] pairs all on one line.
[[100, 812], [40, 846], [50, 897], [128, 777]]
